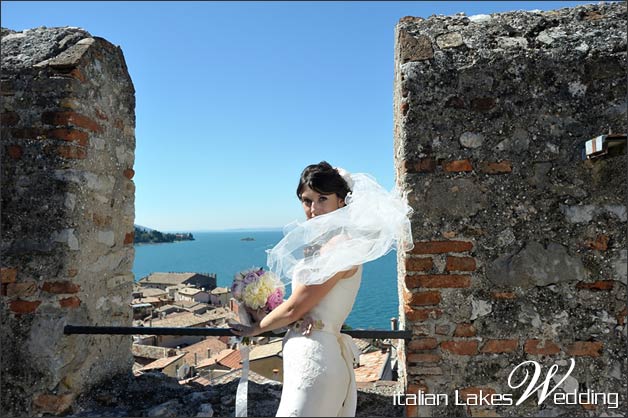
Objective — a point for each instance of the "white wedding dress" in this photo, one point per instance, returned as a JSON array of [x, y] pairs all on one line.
[[318, 368]]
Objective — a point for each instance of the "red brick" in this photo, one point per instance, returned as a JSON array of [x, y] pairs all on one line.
[[413, 410], [72, 153], [503, 295], [540, 347], [465, 330], [419, 264], [9, 118], [8, 274], [500, 346], [437, 281], [462, 348], [598, 285], [460, 263], [588, 406], [78, 74], [404, 108], [422, 165], [422, 314], [482, 104], [129, 237], [457, 166], [423, 358], [584, 348], [28, 133], [15, 151], [600, 243], [60, 287], [440, 247], [422, 344], [71, 302], [24, 306], [21, 289], [621, 316], [129, 173], [465, 393], [70, 135], [71, 119], [502, 167], [423, 298]]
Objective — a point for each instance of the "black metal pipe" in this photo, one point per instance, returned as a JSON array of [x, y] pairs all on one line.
[[217, 332]]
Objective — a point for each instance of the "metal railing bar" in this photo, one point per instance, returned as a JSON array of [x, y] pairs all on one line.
[[219, 332]]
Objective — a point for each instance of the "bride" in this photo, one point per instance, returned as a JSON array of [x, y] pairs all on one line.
[[350, 220]]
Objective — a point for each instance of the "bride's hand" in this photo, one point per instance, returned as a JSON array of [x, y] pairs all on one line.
[[257, 314], [242, 330]]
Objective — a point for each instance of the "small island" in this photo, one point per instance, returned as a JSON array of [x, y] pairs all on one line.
[[152, 236], [247, 239]]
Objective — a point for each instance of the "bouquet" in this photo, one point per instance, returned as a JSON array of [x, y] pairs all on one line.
[[257, 290]]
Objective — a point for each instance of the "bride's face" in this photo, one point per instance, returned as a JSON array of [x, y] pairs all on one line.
[[316, 204]]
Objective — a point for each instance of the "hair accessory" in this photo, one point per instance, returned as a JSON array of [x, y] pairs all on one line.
[[345, 175], [371, 224]]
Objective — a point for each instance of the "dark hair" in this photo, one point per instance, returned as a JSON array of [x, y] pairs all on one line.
[[323, 179]]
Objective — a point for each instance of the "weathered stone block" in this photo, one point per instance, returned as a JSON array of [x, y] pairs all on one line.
[[535, 265]]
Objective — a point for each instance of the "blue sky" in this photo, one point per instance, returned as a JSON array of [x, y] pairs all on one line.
[[234, 99]]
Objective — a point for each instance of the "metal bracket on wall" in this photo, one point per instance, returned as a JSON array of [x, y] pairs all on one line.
[[611, 144]]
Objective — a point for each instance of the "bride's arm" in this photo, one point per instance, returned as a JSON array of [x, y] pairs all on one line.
[[300, 302]]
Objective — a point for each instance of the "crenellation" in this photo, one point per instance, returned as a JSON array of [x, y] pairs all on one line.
[[489, 129], [59, 169]]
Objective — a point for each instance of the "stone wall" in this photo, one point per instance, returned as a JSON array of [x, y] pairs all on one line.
[[68, 142], [520, 245]]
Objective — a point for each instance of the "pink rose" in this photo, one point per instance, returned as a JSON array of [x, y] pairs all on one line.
[[274, 299]]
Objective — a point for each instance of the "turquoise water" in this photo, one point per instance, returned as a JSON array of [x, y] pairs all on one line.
[[224, 253]]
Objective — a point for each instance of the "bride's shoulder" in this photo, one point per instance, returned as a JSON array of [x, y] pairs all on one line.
[[351, 272]]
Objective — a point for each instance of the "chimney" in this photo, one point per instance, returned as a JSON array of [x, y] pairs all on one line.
[[393, 323], [209, 353], [195, 359]]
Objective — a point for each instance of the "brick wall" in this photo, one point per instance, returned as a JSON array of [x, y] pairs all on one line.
[[520, 246], [68, 141]]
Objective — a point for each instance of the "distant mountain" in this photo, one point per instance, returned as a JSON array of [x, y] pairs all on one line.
[[144, 235], [143, 228]]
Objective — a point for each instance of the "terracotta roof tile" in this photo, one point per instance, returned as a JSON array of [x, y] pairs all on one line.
[[161, 363], [371, 366], [232, 360], [201, 347]]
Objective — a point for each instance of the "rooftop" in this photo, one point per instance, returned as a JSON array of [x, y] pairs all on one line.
[[371, 366], [190, 291], [200, 349], [172, 279], [161, 363], [149, 291], [271, 349], [183, 319]]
